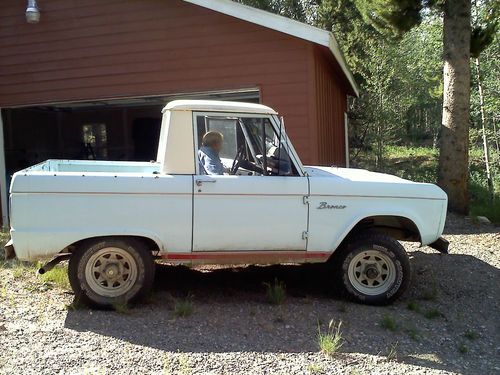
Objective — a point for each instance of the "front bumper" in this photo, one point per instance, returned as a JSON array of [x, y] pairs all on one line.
[[440, 245], [9, 250]]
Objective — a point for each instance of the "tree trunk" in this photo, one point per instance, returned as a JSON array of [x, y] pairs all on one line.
[[453, 174], [483, 127]]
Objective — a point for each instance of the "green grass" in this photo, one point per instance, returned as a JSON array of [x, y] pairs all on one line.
[[414, 306], [471, 335], [121, 308], [183, 307], [414, 334], [433, 313], [392, 353], [57, 276], [275, 292], [330, 341], [462, 348], [389, 323]]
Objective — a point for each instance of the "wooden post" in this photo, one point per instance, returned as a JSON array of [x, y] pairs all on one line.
[[4, 189]]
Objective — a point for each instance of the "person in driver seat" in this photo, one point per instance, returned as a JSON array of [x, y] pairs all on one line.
[[208, 154]]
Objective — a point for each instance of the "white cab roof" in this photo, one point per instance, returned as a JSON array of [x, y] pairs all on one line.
[[284, 25], [218, 106]]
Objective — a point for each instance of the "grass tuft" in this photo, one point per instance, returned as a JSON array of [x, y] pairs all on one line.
[[276, 292], [330, 341], [389, 323], [121, 308], [392, 353], [471, 335], [433, 314], [413, 333], [183, 307], [57, 276], [462, 348], [414, 306]]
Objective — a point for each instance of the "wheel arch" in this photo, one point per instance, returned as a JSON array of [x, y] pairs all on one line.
[[152, 244], [398, 227]]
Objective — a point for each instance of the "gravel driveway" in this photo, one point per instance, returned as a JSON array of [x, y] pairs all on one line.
[[448, 322]]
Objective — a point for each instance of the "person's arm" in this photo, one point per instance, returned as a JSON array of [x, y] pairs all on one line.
[[212, 166]]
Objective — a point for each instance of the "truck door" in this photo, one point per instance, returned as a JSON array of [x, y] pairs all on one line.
[[247, 209]]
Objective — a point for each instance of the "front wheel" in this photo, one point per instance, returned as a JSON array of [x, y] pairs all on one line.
[[110, 271], [373, 269]]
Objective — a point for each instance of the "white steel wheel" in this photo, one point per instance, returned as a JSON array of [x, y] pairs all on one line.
[[371, 272], [111, 272], [108, 271], [372, 268]]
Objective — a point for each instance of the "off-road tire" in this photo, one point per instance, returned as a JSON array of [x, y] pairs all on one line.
[[364, 247], [136, 254]]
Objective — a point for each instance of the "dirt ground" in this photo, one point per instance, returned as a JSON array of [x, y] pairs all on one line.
[[447, 322]]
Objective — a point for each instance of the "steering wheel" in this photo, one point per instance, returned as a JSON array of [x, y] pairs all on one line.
[[237, 160]]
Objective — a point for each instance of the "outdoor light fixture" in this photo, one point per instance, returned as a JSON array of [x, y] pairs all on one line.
[[32, 12]]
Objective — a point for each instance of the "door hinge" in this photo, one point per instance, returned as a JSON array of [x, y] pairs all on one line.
[[305, 199], [305, 235]]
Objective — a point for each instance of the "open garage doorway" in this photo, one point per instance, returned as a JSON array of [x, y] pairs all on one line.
[[120, 129]]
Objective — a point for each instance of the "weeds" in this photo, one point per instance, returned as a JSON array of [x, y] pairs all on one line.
[[471, 335], [462, 348], [57, 276], [433, 314], [275, 292], [388, 322], [330, 341], [315, 368], [121, 308], [183, 307], [392, 353], [413, 333], [414, 306]]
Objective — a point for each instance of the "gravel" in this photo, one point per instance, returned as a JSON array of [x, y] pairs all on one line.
[[447, 322]]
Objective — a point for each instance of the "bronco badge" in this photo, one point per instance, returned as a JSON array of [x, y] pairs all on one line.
[[326, 206]]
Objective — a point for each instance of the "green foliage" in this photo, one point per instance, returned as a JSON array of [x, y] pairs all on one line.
[[433, 314], [183, 307], [57, 276], [389, 323], [330, 341], [391, 16], [275, 292], [471, 335]]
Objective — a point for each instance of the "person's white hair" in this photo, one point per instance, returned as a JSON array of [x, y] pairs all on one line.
[[212, 138]]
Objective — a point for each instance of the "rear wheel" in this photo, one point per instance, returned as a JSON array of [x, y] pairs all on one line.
[[373, 269], [110, 271]]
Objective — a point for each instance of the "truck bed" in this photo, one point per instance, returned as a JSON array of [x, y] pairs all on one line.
[[92, 166]]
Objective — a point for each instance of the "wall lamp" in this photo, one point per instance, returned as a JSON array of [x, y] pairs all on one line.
[[32, 12]]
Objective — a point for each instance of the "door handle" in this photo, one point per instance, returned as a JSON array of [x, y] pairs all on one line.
[[200, 182]]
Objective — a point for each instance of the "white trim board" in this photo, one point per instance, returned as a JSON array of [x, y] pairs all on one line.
[[281, 24]]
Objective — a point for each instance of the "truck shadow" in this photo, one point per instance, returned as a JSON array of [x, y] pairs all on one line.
[[450, 295]]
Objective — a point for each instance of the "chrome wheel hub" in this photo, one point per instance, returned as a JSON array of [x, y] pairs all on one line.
[[111, 272], [372, 272]]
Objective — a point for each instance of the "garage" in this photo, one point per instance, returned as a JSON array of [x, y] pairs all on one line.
[[89, 78]]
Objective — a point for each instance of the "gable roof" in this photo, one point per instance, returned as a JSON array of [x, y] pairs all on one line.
[[284, 25]]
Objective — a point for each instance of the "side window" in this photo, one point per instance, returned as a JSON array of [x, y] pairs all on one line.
[[250, 146]]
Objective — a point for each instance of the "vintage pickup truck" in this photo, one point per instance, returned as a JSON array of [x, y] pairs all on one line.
[[112, 220]]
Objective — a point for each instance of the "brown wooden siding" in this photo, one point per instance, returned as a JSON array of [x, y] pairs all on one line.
[[95, 49], [331, 104]]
